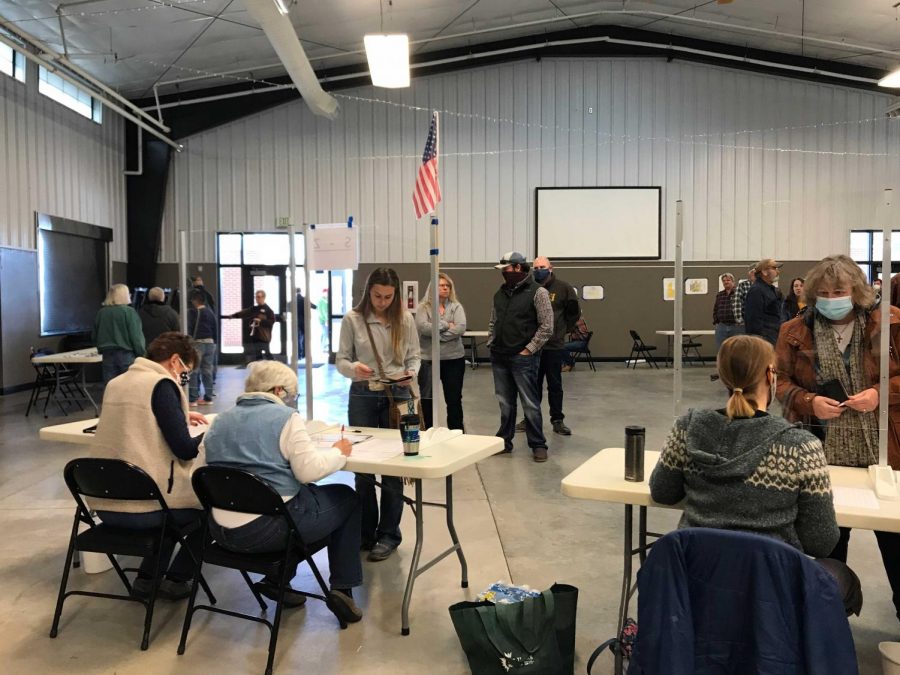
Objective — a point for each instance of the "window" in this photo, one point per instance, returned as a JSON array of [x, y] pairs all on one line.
[[12, 63], [53, 86], [865, 249]]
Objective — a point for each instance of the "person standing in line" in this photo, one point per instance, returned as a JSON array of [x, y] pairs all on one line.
[[793, 303], [452, 325], [117, 333], [197, 283], [301, 325], [564, 300], [379, 343], [740, 295], [259, 331], [156, 316], [521, 323], [762, 308], [723, 314], [204, 331]]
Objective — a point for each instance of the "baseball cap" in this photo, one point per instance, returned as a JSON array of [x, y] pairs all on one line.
[[511, 258], [766, 263]]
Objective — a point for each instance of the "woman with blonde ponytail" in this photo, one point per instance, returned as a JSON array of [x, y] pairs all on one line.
[[740, 468]]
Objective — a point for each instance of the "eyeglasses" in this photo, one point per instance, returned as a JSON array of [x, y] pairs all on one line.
[[184, 365]]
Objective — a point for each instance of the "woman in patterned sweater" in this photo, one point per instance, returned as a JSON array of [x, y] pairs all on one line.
[[743, 469]]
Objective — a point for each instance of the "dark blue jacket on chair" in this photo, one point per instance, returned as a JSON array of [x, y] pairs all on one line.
[[721, 602]]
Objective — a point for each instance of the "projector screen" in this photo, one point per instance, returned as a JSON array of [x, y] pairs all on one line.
[[599, 222], [72, 273]]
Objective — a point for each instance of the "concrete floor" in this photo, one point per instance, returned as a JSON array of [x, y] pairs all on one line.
[[512, 519]]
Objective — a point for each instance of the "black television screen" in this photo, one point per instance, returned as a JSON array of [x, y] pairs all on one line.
[[72, 273]]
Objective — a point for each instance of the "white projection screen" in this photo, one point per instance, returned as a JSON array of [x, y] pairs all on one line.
[[599, 222]]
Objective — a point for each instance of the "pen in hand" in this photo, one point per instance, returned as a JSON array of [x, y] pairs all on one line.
[[342, 432]]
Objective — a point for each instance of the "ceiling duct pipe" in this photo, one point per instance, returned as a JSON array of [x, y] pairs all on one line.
[[280, 31]]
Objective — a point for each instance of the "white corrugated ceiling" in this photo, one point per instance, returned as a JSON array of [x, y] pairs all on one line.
[[134, 44]]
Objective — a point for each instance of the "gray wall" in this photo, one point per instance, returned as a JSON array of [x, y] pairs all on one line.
[[633, 297], [765, 165]]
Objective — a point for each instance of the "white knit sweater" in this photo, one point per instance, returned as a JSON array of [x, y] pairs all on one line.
[[128, 430]]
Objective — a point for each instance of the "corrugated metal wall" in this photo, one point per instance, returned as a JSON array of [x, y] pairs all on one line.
[[54, 161], [766, 166]]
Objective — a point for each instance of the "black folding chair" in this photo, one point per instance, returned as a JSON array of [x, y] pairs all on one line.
[[120, 480], [640, 350], [49, 377], [688, 345], [585, 352], [230, 489]]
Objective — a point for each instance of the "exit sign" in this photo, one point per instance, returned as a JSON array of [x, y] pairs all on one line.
[[283, 221]]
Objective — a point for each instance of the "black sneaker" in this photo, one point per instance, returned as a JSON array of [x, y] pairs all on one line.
[[559, 427], [540, 454], [175, 590], [520, 426]]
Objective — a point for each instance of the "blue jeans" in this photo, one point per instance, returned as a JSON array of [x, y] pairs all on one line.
[[515, 374], [116, 362], [203, 371], [327, 513], [573, 346], [182, 567], [551, 370], [726, 330], [371, 409]]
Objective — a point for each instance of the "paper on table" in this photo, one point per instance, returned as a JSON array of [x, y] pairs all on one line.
[[195, 431], [329, 439], [858, 498], [378, 449]]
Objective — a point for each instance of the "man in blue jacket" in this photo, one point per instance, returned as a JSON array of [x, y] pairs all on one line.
[[762, 307]]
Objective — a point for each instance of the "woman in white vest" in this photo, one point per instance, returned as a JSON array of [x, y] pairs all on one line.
[[144, 421], [264, 434]]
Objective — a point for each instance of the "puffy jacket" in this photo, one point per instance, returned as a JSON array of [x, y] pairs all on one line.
[[713, 601]]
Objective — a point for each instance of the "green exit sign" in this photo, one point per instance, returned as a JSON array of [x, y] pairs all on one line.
[[283, 221]]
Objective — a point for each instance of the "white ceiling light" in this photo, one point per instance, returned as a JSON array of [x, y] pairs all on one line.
[[891, 80], [388, 57], [282, 6]]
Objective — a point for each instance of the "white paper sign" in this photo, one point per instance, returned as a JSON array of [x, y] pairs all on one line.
[[332, 246], [592, 292]]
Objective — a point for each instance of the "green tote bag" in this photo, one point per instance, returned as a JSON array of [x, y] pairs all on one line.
[[532, 637]]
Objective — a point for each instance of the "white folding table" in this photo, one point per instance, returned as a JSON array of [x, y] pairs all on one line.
[[670, 340], [78, 358], [473, 336], [439, 460]]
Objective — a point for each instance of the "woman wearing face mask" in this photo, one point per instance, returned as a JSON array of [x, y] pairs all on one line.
[[144, 420], [452, 325], [379, 342], [832, 352], [264, 434]]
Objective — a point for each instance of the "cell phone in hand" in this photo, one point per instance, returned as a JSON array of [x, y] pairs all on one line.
[[833, 389], [395, 380]]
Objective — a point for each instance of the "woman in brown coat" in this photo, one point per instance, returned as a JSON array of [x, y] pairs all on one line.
[[832, 352]]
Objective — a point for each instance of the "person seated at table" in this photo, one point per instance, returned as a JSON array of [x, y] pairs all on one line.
[[144, 421], [740, 468], [264, 434]]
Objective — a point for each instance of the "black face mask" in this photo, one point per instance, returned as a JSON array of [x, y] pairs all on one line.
[[513, 279], [184, 378]]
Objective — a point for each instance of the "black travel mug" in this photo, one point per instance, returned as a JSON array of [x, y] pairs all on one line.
[[634, 454]]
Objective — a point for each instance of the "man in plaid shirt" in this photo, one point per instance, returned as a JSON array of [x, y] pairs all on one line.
[[740, 294], [723, 311]]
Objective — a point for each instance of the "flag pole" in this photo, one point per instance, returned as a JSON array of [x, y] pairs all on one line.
[[437, 398]]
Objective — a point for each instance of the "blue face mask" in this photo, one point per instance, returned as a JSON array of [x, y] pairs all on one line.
[[834, 308], [541, 276]]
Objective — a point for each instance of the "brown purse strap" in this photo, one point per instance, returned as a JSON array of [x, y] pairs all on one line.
[[375, 351]]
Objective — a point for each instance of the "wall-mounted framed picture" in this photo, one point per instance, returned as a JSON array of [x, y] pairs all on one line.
[[696, 286], [669, 288]]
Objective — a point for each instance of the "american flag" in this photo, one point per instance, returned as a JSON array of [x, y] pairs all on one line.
[[427, 192]]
